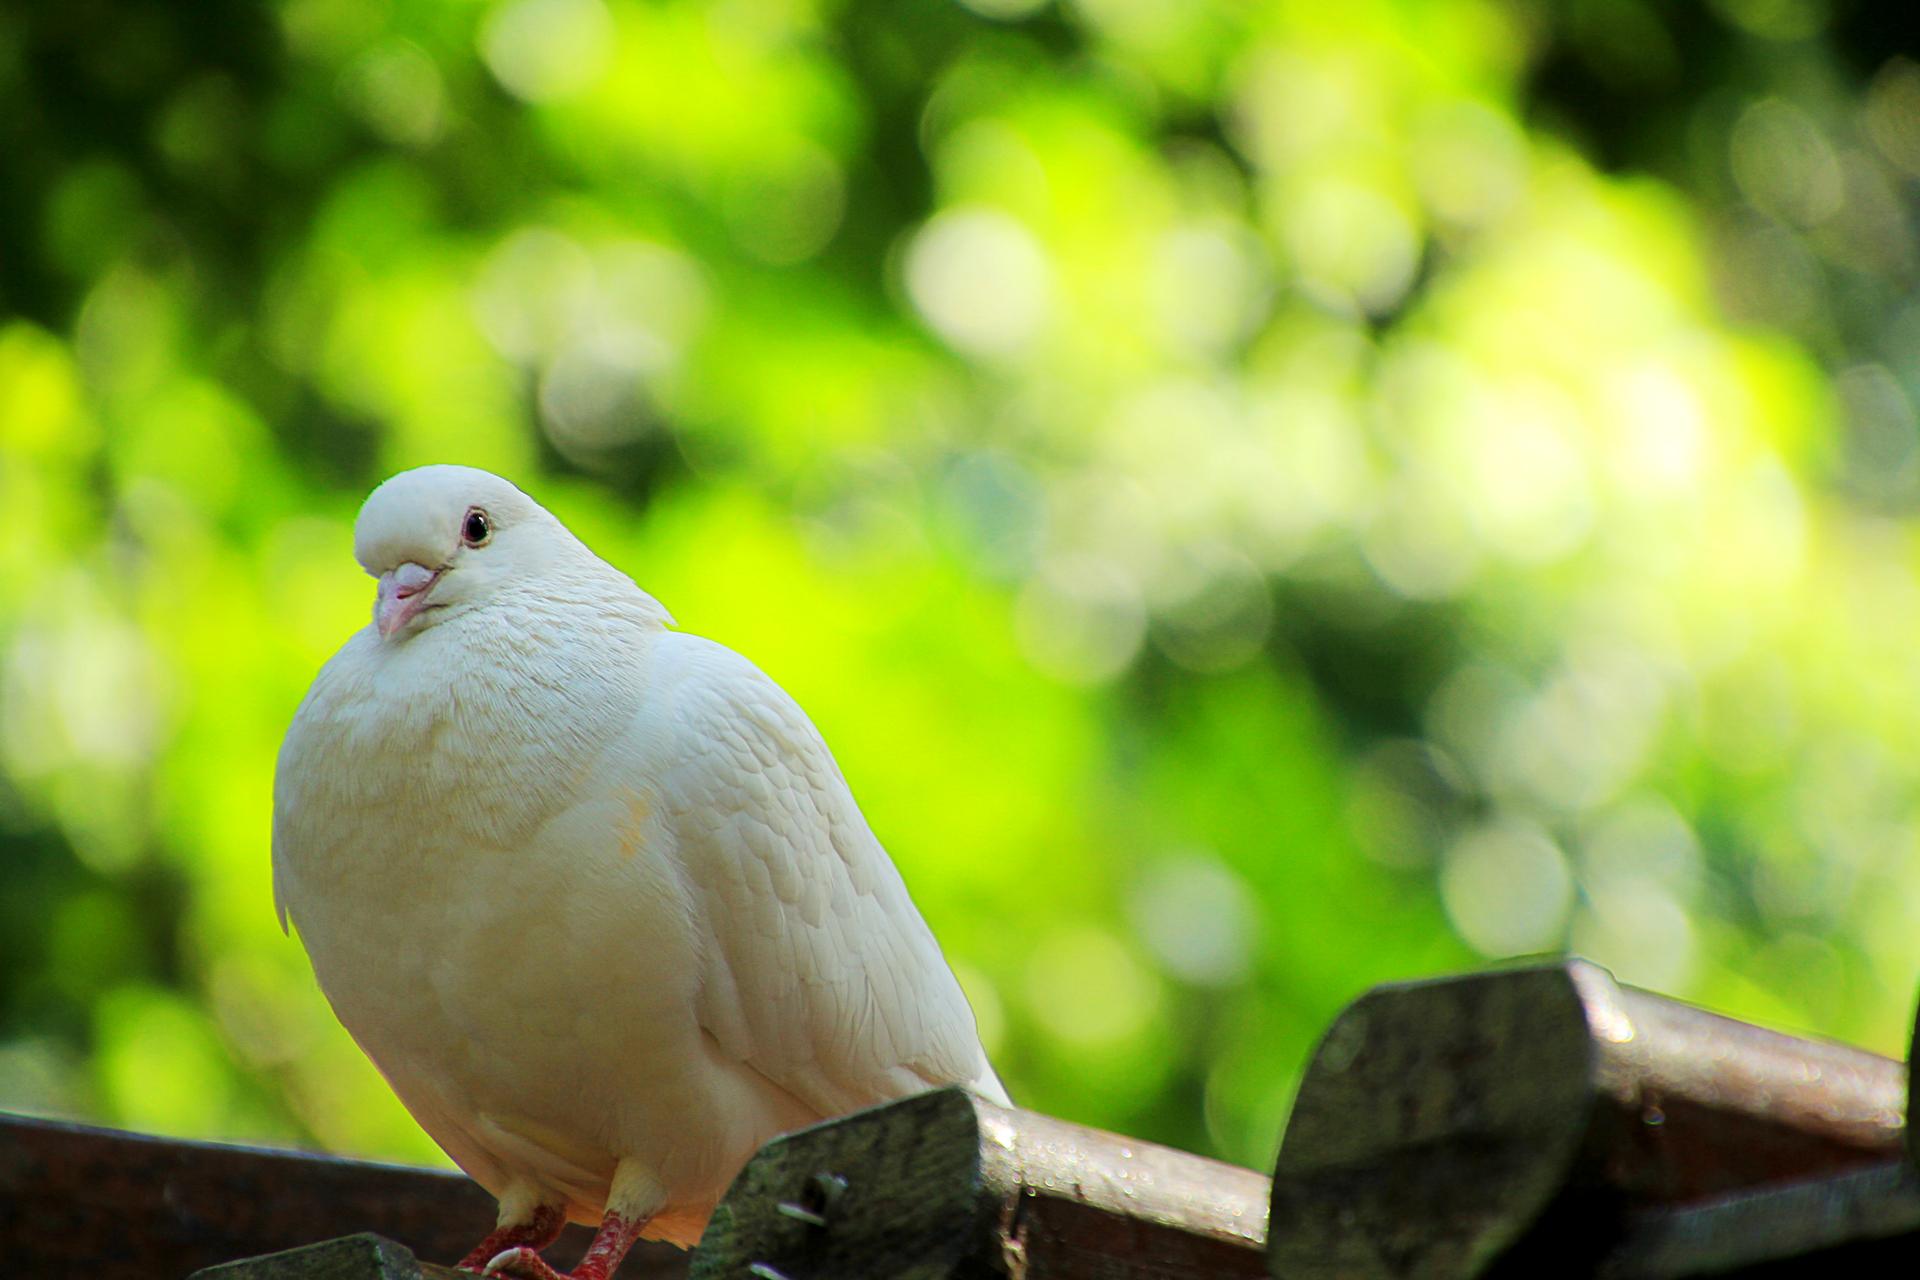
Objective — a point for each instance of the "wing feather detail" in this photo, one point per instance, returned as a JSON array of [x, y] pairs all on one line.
[[822, 976]]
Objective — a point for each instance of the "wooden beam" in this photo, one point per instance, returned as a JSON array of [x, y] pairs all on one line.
[[1862, 1223], [1546, 1113], [80, 1201], [361, 1257], [946, 1184]]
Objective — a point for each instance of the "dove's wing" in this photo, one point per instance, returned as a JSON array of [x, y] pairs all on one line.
[[821, 974]]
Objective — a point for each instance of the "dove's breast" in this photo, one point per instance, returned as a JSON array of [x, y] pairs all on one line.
[[475, 855]]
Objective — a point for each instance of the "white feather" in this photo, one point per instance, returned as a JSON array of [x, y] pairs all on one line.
[[589, 890]]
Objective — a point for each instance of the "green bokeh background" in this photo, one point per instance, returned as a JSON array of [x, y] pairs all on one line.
[[1263, 498]]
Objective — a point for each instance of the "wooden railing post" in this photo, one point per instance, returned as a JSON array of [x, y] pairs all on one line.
[[946, 1184], [1509, 1121]]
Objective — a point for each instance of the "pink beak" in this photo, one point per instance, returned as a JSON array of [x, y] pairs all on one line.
[[403, 593]]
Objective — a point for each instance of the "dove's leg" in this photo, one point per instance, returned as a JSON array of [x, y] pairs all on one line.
[[524, 1222], [635, 1197]]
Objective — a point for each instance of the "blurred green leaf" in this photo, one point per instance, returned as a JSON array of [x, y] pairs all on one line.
[[1263, 500]]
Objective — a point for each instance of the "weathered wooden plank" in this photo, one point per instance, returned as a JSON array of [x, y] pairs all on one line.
[[948, 1185], [1442, 1126], [81, 1201], [362, 1257], [1862, 1223]]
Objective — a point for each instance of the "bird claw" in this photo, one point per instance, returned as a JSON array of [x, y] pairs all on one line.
[[521, 1264]]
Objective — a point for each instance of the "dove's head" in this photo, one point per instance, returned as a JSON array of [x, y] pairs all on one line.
[[445, 539]]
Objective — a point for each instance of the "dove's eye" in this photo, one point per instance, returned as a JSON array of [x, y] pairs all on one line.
[[476, 528]]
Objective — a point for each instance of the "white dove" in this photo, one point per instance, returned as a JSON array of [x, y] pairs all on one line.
[[591, 893]]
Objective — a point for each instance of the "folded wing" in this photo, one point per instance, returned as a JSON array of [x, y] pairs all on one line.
[[821, 974]]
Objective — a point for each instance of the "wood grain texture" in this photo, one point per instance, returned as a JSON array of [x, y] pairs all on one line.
[[1542, 1116], [359, 1257], [949, 1185], [81, 1201]]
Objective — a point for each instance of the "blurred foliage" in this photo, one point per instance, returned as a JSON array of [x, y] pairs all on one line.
[[1263, 498]]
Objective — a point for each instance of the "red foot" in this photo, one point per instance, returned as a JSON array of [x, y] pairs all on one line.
[[610, 1245], [542, 1231], [525, 1264]]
